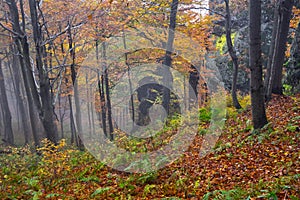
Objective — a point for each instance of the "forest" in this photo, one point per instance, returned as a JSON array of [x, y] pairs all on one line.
[[135, 99]]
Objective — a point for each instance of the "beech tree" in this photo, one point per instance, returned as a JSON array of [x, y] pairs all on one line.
[[282, 16], [256, 84], [8, 133], [233, 56], [167, 76]]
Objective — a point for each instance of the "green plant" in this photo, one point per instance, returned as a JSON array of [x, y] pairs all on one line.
[[100, 191], [235, 194], [204, 115]]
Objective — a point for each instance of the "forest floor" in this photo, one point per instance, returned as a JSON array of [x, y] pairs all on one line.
[[243, 165]]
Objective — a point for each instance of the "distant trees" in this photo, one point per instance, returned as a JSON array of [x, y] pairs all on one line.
[[46, 42]]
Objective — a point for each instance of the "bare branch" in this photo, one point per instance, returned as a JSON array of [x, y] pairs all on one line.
[[9, 30]]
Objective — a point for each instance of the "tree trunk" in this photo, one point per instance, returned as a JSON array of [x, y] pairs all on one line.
[[270, 69], [283, 22], [47, 110], [284, 17], [257, 96], [108, 103], [129, 82], [102, 102], [21, 99], [61, 117], [76, 92], [8, 133], [233, 56], [25, 65], [1, 121], [100, 81], [167, 76], [88, 102], [293, 69]]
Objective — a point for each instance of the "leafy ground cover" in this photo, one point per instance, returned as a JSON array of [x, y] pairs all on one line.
[[243, 165]]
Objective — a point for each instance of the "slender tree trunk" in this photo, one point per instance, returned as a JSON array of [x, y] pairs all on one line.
[[167, 76], [8, 133], [257, 91], [1, 121], [100, 78], [270, 69], [21, 99], [88, 102], [61, 117], [76, 92], [107, 95], [285, 17], [93, 117], [233, 56], [102, 103], [129, 81], [274, 82]]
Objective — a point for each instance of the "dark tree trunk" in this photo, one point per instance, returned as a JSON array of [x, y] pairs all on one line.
[[233, 56], [47, 111], [283, 28], [1, 121], [21, 99], [293, 69], [72, 122], [167, 76], [107, 95], [274, 84], [8, 133], [76, 92], [25, 65], [270, 69], [194, 77], [102, 103], [61, 117], [100, 80], [257, 93]]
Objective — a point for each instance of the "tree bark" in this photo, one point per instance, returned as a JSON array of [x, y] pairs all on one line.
[[129, 81], [25, 65], [233, 56], [107, 95], [284, 18], [100, 81], [274, 81], [21, 99], [8, 132], [267, 83], [76, 92], [259, 118], [47, 110], [167, 76]]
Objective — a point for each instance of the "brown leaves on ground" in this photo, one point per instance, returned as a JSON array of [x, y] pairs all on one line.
[[258, 163]]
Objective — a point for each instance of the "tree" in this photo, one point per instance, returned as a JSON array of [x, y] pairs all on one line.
[[233, 56], [273, 83], [8, 133], [256, 84], [47, 108], [19, 92], [167, 76], [22, 46]]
